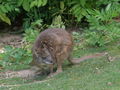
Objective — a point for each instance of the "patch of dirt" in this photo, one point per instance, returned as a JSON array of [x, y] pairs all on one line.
[[26, 74], [10, 39]]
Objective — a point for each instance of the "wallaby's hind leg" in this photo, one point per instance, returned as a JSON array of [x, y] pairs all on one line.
[[70, 59]]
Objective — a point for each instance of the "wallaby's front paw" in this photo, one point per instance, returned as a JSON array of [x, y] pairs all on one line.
[[53, 74]]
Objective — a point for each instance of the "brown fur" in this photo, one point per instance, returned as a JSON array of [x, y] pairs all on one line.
[[53, 46]]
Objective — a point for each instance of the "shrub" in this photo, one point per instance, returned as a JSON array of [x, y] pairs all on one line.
[[102, 28], [30, 35], [15, 56], [8, 7], [57, 23]]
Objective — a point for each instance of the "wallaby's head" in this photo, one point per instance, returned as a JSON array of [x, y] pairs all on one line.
[[42, 55]]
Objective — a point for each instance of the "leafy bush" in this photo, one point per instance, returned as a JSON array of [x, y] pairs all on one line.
[[100, 35], [15, 56], [30, 11], [8, 7], [23, 55], [76, 37], [57, 23], [32, 32], [103, 29], [100, 16], [79, 8], [82, 8], [30, 35], [5, 8]]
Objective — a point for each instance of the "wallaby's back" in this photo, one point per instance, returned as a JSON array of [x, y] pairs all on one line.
[[55, 36]]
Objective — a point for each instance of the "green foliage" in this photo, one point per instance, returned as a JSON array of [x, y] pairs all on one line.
[[106, 14], [4, 18], [34, 16], [100, 35], [32, 32], [78, 41], [23, 55], [10, 6], [38, 3], [30, 35], [104, 9], [79, 8], [102, 27], [82, 8], [37, 25], [15, 56], [33, 10], [29, 4], [6, 7], [76, 37], [105, 2], [57, 23]]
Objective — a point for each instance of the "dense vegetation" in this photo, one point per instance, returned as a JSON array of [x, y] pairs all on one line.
[[98, 17]]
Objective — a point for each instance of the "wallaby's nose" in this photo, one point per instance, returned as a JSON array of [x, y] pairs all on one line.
[[51, 62]]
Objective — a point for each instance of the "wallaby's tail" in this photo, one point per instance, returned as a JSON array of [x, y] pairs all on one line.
[[78, 60]]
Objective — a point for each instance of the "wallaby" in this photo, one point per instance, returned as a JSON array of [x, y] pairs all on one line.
[[53, 46]]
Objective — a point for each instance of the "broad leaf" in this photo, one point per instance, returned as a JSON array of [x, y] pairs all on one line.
[[4, 18]]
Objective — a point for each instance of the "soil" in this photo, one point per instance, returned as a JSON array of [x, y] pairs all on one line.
[[31, 73], [10, 39]]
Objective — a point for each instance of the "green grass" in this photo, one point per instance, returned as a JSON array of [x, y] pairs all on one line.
[[93, 74]]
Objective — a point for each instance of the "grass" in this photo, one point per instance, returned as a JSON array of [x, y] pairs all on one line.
[[93, 74]]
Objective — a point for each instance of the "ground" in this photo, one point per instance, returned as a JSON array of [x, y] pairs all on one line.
[[92, 74], [10, 39]]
